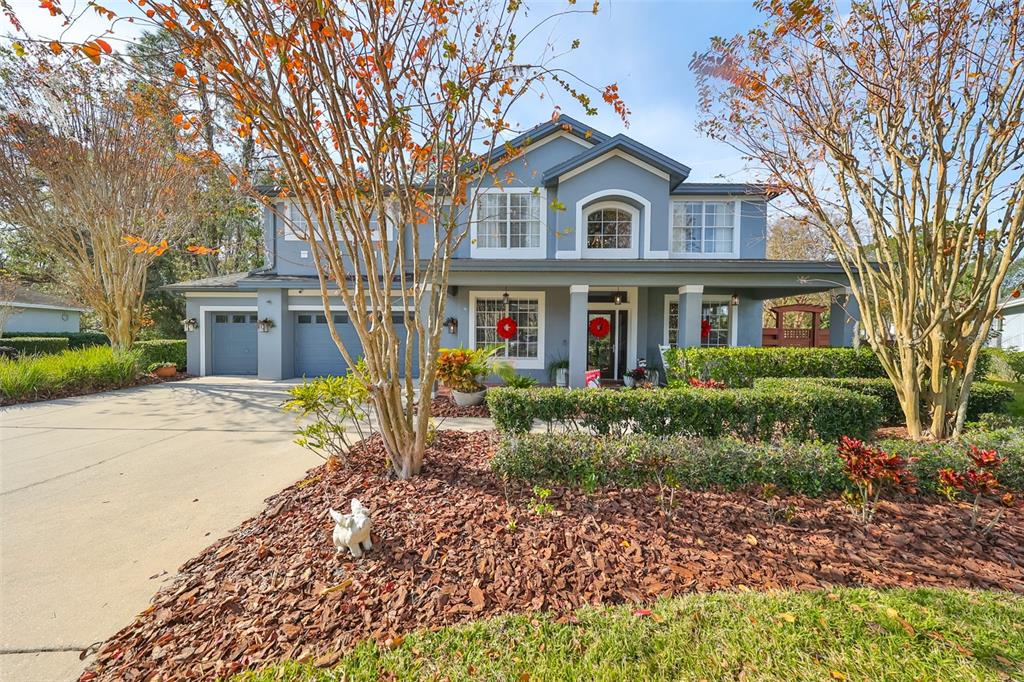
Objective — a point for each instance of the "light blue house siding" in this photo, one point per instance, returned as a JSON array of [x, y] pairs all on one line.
[[46, 320], [620, 234]]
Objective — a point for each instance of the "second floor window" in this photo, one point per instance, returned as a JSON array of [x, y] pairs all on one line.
[[508, 220], [703, 226]]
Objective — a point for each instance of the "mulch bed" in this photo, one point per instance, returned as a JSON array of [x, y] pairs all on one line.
[[450, 546], [444, 406], [142, 380]]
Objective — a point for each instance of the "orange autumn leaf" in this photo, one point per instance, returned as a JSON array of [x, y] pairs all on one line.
[[180, 70], [91, 51], [103, 45], [56, 47]]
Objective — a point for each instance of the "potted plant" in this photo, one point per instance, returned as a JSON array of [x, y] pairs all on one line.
[[164, 370], [558, 372], [463, 370], [637, 375]]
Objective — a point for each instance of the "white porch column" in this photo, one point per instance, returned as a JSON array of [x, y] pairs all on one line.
[[690, 298], [578, 294]]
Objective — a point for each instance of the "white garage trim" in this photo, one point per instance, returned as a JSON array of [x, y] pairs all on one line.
[[202, 328]]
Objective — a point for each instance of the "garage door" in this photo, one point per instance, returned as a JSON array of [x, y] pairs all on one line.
[[234, 343], [315, 351]]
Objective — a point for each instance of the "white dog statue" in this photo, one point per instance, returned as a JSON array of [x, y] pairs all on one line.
[[352, 530]]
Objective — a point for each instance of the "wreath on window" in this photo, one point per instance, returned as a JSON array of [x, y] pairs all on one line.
[[507, 328], [600, 327], [705, 329]]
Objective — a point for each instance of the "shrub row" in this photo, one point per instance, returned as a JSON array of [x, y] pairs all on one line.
[[162, 350], [741, 366], [985, 396], [71, 371], [75, 339], [36, 345], [811, 469], [800, 412]]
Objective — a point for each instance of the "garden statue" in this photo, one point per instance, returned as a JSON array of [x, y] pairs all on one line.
[[352, 530]]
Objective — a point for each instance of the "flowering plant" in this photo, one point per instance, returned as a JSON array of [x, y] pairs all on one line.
[[637, 373], [870, 470], [706, 383]]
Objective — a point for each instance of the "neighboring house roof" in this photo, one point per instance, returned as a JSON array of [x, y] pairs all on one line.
[[26, 297], [676, 171], [229, 281], [1014, 307]]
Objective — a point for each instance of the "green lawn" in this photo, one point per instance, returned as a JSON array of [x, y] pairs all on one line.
[[1016, 407], [856, 634]]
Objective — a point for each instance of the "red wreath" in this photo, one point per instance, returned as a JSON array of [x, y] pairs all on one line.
[[599, 327], [507, 328], [705, 329]]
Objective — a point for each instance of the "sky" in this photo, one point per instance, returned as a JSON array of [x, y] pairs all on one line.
[[644, 46]]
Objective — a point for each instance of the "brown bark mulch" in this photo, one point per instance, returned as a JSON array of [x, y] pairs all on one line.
[[142, 380], [444, 406], [449, 546]]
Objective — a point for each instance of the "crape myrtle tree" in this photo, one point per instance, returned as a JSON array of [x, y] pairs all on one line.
[[91, 173], [373, 111], [903, 117]]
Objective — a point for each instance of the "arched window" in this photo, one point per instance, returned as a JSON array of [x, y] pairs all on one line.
[[611, 229]]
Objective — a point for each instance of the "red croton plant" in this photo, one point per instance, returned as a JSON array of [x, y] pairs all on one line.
[[871, 469], [978, 481], [706, 383]]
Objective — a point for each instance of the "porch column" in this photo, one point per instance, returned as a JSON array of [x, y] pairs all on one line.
[[690, 298], [274, 348], [578, 294], [843, 314]]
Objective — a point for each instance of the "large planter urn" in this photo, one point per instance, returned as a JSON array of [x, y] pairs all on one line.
[[469, 399], [628, 381], [561, 377]]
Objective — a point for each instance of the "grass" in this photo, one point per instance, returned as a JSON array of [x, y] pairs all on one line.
[[846, 634], [1016, 407], [73, 371]]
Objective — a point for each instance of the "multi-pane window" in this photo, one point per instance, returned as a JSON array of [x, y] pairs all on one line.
[[703, 226], [609, 228], [298, 225], [716, 314], [526, 313], [508, 220]]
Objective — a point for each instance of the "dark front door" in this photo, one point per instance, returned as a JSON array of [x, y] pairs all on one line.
[[608, 353]]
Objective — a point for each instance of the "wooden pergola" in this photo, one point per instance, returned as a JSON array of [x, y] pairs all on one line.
[[780, 335]]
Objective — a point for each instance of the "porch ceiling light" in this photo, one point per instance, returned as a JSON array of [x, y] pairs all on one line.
[[504, 297], [265, 325], [190, 324]]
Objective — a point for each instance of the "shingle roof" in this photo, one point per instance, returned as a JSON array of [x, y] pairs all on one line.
[[725, 188], [28, 296], [229, 281], [676, 171]]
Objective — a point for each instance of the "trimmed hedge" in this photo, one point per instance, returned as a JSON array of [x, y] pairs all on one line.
[[36, 345], [812, 469], [75, 339], [985, 396], [800, 412], [740, 366], [162, 350]]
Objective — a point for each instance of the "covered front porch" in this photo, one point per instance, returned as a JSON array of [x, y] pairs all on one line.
[[608, 321]]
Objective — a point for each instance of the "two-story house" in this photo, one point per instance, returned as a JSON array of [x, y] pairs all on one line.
[[583, 227]]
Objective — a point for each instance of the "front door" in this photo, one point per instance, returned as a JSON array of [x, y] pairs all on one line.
[[608, 352]]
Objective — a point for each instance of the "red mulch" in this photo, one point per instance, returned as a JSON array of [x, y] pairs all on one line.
[[142, 380], [449, 547], [444, 406]]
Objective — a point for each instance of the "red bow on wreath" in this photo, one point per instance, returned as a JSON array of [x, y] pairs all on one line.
[[600, 327], [705, 329], [507, 328]]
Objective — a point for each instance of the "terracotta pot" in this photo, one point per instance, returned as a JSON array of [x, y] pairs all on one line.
[[469, 399], [165, 372]]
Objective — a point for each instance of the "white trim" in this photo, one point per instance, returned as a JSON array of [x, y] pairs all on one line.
[[540, 252], [691, 289], [634, 238], [615, 153], [710, 298], [290, 236], [736, 226], [518, 363], [561, 134], [594, 196], [43, 306], [579, 288], [202, 328], [630, 306], [319, 307], [223, 294]]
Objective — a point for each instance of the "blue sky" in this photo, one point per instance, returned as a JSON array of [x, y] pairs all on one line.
[[643, 45]]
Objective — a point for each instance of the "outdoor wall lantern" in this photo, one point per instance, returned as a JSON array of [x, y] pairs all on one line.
[[190, 324], [734, 300], [265, 325], [453, 325], [618, 298]]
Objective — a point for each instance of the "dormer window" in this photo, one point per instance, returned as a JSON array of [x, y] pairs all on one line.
[[509, 223], [611, 231]]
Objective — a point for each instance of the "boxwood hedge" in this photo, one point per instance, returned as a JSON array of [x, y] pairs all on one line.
[[809, 468], [985, 396], [162, 350], [36, 345], [799, 411], [75, 339]]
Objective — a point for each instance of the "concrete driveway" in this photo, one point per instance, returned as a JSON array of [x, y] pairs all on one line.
[[103, 497]]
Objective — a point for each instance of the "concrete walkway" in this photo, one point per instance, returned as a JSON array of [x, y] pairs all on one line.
[[103, 497]]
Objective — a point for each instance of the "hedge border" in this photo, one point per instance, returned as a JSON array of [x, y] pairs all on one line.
[[36, 345], [163, 350]]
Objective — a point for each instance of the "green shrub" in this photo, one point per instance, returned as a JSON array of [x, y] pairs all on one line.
[[740, 366], [1015, 360], [335, 404], [75, 339], [800, 412], [162, 350], [985, 396], [36, 345], [809, 468], [72, 371]]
